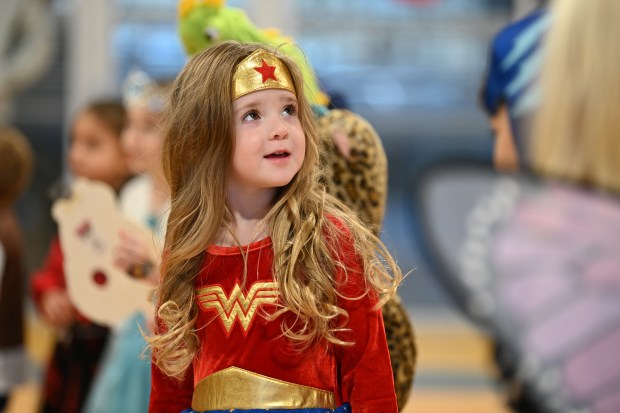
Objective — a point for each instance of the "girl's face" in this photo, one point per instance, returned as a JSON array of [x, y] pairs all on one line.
[[270, 144], [141, 141], [95, 151]]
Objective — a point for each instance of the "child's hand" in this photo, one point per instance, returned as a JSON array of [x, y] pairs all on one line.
[[130, 251], [56, 309]]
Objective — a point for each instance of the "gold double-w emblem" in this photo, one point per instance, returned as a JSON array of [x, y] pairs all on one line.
[[237, 306]]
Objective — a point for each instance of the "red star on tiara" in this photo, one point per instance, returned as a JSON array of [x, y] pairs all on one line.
[[268, 72]]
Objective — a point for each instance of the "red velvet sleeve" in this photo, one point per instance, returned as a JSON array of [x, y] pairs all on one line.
[[169, 395], [365, 372], [51, 275], [364, 369]]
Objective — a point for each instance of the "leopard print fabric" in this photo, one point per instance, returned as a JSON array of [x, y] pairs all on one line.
[[401, 343], [359, 179]]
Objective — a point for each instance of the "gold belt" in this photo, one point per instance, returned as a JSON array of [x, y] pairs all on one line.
[[235, 388]]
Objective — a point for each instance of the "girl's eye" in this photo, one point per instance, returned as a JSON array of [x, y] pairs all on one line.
[[252, 115], [290, 110]]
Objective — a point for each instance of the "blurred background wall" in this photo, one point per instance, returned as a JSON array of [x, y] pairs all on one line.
[[411, 67]]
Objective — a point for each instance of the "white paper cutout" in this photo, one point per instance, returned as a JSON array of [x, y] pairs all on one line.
[[89, 224]]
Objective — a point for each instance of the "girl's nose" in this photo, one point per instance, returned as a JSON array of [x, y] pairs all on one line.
[[279, 129]]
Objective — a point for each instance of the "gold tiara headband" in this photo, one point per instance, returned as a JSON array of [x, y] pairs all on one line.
[[259, 71]]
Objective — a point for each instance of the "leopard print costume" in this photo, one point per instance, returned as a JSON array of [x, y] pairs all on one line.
[[356, 173]]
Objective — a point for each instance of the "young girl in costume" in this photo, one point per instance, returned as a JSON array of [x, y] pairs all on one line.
[[95, 152], [270, 291], [510, 93], [124, 381], [356, 166]]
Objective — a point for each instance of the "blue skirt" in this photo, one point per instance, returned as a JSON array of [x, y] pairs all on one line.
[[345, 408], [123, 383]]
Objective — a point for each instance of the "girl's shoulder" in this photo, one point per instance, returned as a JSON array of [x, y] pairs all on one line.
[[336, 227], [339, 235], [341, 243]]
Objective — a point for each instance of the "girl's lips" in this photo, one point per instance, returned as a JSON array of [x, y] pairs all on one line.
[[277, 155]]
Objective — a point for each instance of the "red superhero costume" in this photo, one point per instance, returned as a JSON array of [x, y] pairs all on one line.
[[240, 345]]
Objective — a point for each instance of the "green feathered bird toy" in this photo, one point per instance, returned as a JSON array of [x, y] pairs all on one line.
[[204, 22]]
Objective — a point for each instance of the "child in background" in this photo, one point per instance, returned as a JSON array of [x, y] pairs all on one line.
[[510, 93], [124, 380], [543, 247], [270, 289], [16, 161], [95, 152]]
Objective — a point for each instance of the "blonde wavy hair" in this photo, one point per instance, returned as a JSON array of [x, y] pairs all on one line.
[[576, 135], [305, 223]]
